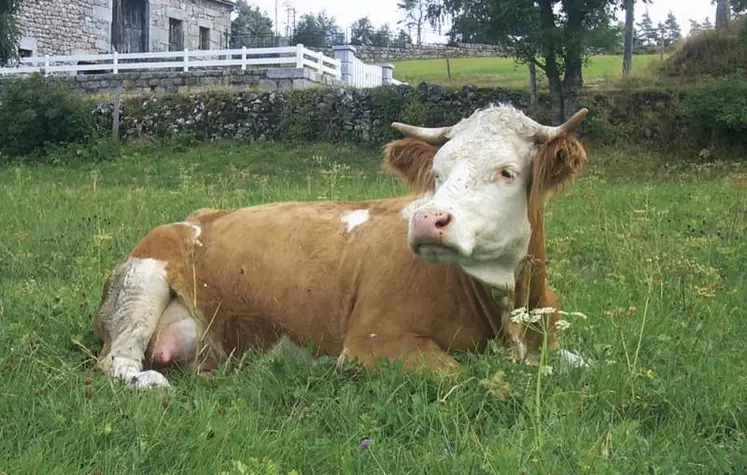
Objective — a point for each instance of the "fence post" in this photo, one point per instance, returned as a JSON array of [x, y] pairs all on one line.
[[346, 55], [321, 63], [115, 113], [243, 58], [299, 55], [115, 67], [46, 64], [186, 59], [387, 71]]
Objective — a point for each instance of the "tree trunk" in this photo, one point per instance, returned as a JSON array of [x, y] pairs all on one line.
[[573, 80], [722, 14], [629, 36], [533, 99], [547, 20]]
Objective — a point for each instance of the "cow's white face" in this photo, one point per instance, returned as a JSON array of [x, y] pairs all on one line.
[[477, 214]]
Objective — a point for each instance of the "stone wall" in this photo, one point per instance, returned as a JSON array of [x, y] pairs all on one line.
[[317, 114], [66, 27], [212, 14], [84, 26], [430, 51], [139, 82]]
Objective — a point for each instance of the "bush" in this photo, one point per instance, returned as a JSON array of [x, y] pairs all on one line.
[[37, 111], [714, 53], [719, 109]]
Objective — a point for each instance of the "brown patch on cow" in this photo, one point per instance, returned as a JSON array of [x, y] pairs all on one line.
[[411, 160], [555, 165]]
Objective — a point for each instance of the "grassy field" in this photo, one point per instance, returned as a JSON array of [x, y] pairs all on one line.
[[505, 72], [654, 256]]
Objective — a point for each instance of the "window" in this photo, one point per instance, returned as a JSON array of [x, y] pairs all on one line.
[[25, 53], [204, 38], [176, 35]]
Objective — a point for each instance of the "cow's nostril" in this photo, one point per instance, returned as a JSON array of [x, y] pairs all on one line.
[[443, 221]]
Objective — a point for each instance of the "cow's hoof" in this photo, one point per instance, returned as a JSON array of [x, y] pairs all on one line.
[[149, 379], [570, 359]]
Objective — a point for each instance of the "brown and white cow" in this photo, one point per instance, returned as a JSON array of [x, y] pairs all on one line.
[[412, 277]]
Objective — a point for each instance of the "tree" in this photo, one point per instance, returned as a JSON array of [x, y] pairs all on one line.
[[554, 35], [383, 36], [403, 38], [416, 14], [672, 32], [723, 12], [694, 27], [648, 32], [317, 31], [10, 35], [362, 32], [251, 27], [629, 34]]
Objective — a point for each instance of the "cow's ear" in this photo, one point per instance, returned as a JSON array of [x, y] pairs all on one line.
[[557, 162], [411, 160]]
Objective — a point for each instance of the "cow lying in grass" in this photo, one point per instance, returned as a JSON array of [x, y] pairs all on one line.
[[412, 277]]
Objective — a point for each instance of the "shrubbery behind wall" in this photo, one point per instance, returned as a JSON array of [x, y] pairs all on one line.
[[707, 115]]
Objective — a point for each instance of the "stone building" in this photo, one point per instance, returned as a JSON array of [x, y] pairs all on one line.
[[127, 26]]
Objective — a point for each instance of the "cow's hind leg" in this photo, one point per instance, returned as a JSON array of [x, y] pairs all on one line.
[[132, 303], [414, 351]]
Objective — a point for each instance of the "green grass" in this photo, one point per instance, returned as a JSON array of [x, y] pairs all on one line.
[[655, 256], [505, 72]]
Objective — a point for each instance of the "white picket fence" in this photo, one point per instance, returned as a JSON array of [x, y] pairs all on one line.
[[291, 57], [357, 73]]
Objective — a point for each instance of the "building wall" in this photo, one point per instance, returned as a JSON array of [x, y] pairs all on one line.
[[65, 26], [61, 27], [194, 14]]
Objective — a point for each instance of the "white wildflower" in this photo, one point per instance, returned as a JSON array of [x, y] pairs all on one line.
[[562, 324], [546, 370]]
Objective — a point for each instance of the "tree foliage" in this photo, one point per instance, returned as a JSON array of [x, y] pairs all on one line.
[[554, 35], [10, 35], [251, 27], [672, 32], [416, 15], [362, 32], [317, 31]]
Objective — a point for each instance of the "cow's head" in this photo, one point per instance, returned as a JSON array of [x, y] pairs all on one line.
[[480, 180]]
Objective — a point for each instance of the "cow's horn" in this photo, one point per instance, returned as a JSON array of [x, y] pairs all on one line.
[[545, 133], [432, 135]]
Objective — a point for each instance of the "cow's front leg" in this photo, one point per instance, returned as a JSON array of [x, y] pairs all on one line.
[[416, 352], [133, 301]]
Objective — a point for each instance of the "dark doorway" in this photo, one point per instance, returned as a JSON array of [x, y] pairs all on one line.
[[130, 26], [176, 35]]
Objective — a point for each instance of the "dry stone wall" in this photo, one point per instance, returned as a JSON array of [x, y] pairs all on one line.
[[378, 54], [180, 81]]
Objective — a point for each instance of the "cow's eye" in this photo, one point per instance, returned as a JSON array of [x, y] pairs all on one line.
[[504, 174]]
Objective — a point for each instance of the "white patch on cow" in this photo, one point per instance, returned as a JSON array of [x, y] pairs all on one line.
[[570, 359], [373, 335], [196, 231], [489, 230], [148, 379], [413, 205], [353, 219], [136, 299]]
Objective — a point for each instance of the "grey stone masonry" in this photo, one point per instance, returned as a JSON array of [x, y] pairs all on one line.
[[429, 51], [180, 81], [64, 27]]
